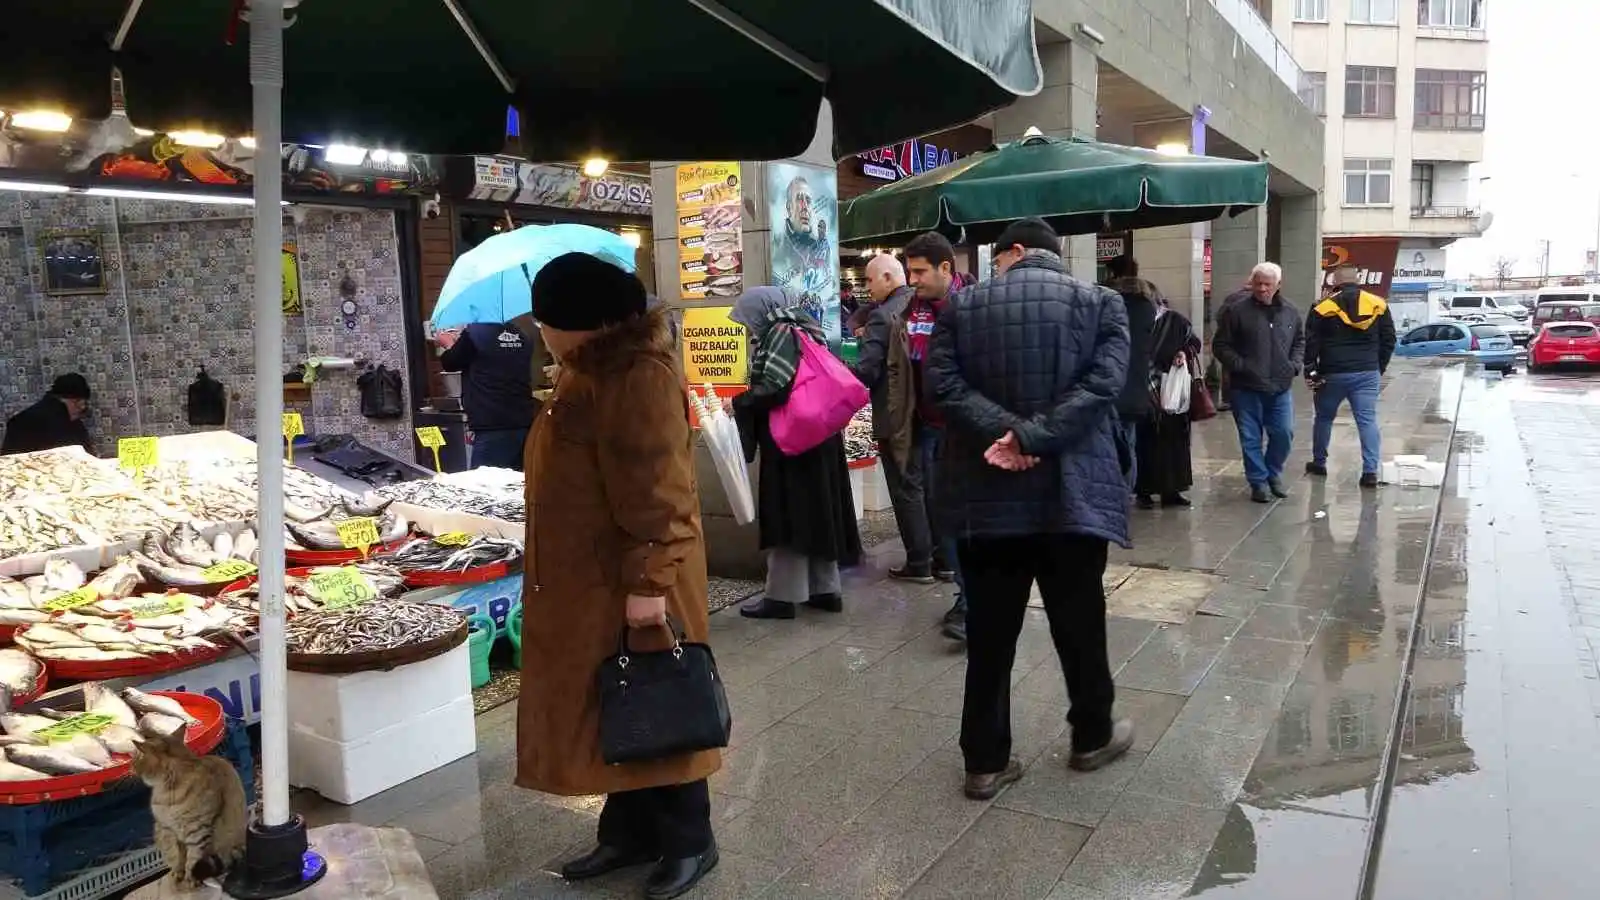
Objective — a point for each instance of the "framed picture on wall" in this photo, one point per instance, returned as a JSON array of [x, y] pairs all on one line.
[[72, 263]]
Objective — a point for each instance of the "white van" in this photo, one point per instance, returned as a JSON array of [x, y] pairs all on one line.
[[1466, 303]]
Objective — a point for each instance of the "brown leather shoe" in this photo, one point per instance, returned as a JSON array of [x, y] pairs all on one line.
[[984, 786], [1121, 740]]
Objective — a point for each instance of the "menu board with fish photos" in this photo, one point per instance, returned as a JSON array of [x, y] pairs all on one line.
[[710, 245]]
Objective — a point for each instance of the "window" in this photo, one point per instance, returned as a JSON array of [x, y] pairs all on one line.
[[1369, 92], [1450, 99], [1314, 92], [1468, 303], [1421, 186], [1368, 182], [1372, 12], [1311, 10], [1450, 13]]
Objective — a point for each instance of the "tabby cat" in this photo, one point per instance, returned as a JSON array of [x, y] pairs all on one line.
[[198, 805]]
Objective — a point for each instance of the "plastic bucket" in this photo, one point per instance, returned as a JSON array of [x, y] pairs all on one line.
[[514, 631], [479, 641]]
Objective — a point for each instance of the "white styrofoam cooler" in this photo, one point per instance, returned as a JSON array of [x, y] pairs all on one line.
[[876, 495], [352, 736], [858, 491]]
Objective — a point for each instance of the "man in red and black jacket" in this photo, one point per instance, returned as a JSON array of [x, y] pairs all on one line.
[[930, 269]]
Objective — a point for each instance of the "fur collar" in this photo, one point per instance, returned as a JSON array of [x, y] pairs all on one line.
[[617, 347]]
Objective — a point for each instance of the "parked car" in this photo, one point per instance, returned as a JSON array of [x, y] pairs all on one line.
[[1566, 311], [1457, 305], [1565, 343], [1521, 333], [1488, 344]]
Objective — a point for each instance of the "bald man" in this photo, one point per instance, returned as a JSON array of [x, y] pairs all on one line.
[[883, 363]]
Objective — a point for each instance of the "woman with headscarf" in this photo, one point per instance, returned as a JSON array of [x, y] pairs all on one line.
[[1162, 442], [803, 505], [614, 548]]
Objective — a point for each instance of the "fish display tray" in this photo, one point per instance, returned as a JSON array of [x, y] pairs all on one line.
[[202, 738], [92, 847], [474, 575], [393, 658], [335, 557], [83, 670]]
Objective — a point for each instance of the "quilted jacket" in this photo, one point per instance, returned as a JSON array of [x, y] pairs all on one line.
[[1040, 353]]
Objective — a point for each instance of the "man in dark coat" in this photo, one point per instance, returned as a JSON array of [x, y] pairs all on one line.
[[55, 421], [1027, 368], [1141, 298], [1261, 342], [1349, 341]]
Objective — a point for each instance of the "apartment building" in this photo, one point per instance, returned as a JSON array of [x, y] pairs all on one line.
[[1402, 86]]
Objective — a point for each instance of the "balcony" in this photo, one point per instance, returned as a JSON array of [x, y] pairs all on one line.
[[1448, 221], [1445, 212], [1258, 36]]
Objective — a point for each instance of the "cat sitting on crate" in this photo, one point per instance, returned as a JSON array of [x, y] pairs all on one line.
[[199, 808]]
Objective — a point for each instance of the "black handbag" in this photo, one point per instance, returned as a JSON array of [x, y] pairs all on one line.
[[662, 703]]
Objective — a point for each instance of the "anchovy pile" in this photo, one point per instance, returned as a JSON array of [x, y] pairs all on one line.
[[201, 491], [858, 440], [368, 627], [38, 525], [105, 733], [428, 555], [441, 495], [299, 596], [62, 472]]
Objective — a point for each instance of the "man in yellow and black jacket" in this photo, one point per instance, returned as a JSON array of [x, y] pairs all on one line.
[[1349, 340]]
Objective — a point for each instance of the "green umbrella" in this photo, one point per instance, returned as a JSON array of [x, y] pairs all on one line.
[[623, 79], [1079, 187]]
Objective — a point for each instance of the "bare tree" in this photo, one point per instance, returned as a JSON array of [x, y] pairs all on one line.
[[1503, 266]]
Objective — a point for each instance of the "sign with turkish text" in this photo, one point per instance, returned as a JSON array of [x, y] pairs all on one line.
[[1109, 248], [710, 230], [501, 179], [1372, 258], [714, 346], [1419, 269], [904, 159]]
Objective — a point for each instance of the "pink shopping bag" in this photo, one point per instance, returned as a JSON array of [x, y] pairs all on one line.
[[824, 397]]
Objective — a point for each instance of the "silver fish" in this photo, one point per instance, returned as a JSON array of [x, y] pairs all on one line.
[[141, 702], [19, 672], [10, 771], [188, 547], [319, 535], [222, 546], [49, 759], [372, 504], [63, 575], [14, 594], [244, 546], [157, 725], [98, 698]]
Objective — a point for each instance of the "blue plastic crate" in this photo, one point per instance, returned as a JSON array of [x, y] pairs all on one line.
[[45, 844]]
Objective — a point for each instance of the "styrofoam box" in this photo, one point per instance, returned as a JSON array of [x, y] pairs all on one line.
[[351, 771], [351, 707], [876, 497], [438, 521], [858, 490]]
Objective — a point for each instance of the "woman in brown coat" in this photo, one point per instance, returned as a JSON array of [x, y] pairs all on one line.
[[614, 541]]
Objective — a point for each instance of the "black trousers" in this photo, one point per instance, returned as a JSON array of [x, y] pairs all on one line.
[[999, 575], [908, 494], [667, 822]]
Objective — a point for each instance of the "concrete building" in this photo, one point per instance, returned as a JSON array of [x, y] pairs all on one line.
[[1402, 85]]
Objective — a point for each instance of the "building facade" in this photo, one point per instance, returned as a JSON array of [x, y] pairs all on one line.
[[1402, 86]]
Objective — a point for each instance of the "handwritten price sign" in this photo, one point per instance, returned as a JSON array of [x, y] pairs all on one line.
[[136, 453], [453, 539], [162, 606], [342, 587], [358, 533], [72, 600], [72, 726], [293, 427], [231, 570], [432, 438]]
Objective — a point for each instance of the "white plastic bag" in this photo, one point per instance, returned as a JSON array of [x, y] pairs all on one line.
[[727, 453], [1175, 390]]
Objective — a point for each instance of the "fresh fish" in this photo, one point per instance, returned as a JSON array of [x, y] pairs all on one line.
[[14, 594], [479, 501], [244, 546], [119, 738], [10, 771], [23, 616], [19, 724], [296, 513], [424, 554], [91, 654], [7, 740], [381, 624], [372, 504], [63, 575], [188, 547], [54, 634], [19, 672], [39, 590], [319, 535], [140, 702], [51, 760], [118, 581], [98, 698], [179, 575], [160, 725], [222, 546], [104, 634], [393, 527]]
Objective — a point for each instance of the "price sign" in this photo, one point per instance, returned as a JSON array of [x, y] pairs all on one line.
[[231, 570], [72, 726], [160, 606], [453, 539], [432, 438], [136, 453], [358, 534], [293, 427], [72, 600], [342, 587]]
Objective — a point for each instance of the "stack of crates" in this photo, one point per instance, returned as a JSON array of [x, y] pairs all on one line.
[[91, 847]]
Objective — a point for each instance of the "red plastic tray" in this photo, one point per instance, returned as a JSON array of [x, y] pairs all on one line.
[[202, 738], [74, 670], [475, 575], [335, 557]]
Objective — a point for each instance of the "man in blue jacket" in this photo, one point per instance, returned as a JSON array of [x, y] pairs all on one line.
[[1027, 368]]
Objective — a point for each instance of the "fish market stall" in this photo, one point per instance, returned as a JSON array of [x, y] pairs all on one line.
[[867, 485]]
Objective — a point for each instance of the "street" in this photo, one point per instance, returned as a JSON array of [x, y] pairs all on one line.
[[1263, 652]]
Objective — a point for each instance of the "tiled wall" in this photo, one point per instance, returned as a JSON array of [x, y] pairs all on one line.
[[180, 283]]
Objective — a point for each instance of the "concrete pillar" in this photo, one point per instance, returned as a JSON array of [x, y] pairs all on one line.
[[1066, 107], [1237, 244], [1173, 258], [1300, 230]]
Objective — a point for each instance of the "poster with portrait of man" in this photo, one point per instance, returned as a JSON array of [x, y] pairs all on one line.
[[803, 207]]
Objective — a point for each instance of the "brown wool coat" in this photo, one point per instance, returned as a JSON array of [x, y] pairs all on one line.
[[613, 509]]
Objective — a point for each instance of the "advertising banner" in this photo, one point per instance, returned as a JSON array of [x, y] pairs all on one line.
[[1372, 257], [715, 348], [710, 231], [1419, 270], [502, 179], [803, 206]]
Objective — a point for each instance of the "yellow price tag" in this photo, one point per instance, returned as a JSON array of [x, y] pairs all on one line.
[[358, 534], [72, 726], [293, 425], [431, 437], [136, 453], [342, 587], [160, 606], [453, 539], [72, 600], [231, 570]]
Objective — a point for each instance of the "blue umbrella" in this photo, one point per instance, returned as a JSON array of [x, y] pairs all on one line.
[[491, 283]]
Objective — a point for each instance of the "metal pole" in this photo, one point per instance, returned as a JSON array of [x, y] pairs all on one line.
[[266, 81]]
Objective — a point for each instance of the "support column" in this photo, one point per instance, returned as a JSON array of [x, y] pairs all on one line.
[[1067, 108], [1300, 230], [1173, 258], [1237, 245]]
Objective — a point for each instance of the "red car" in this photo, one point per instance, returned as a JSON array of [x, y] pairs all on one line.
[[1563, 343]]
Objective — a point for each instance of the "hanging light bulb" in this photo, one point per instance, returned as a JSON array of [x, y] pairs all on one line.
[[41, 120], [595, 166]]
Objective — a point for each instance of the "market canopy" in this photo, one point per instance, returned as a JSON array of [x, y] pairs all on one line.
[[1078, 186], [620, 79]]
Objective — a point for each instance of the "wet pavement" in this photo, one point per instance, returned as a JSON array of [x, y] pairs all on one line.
[[1263, 652]]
